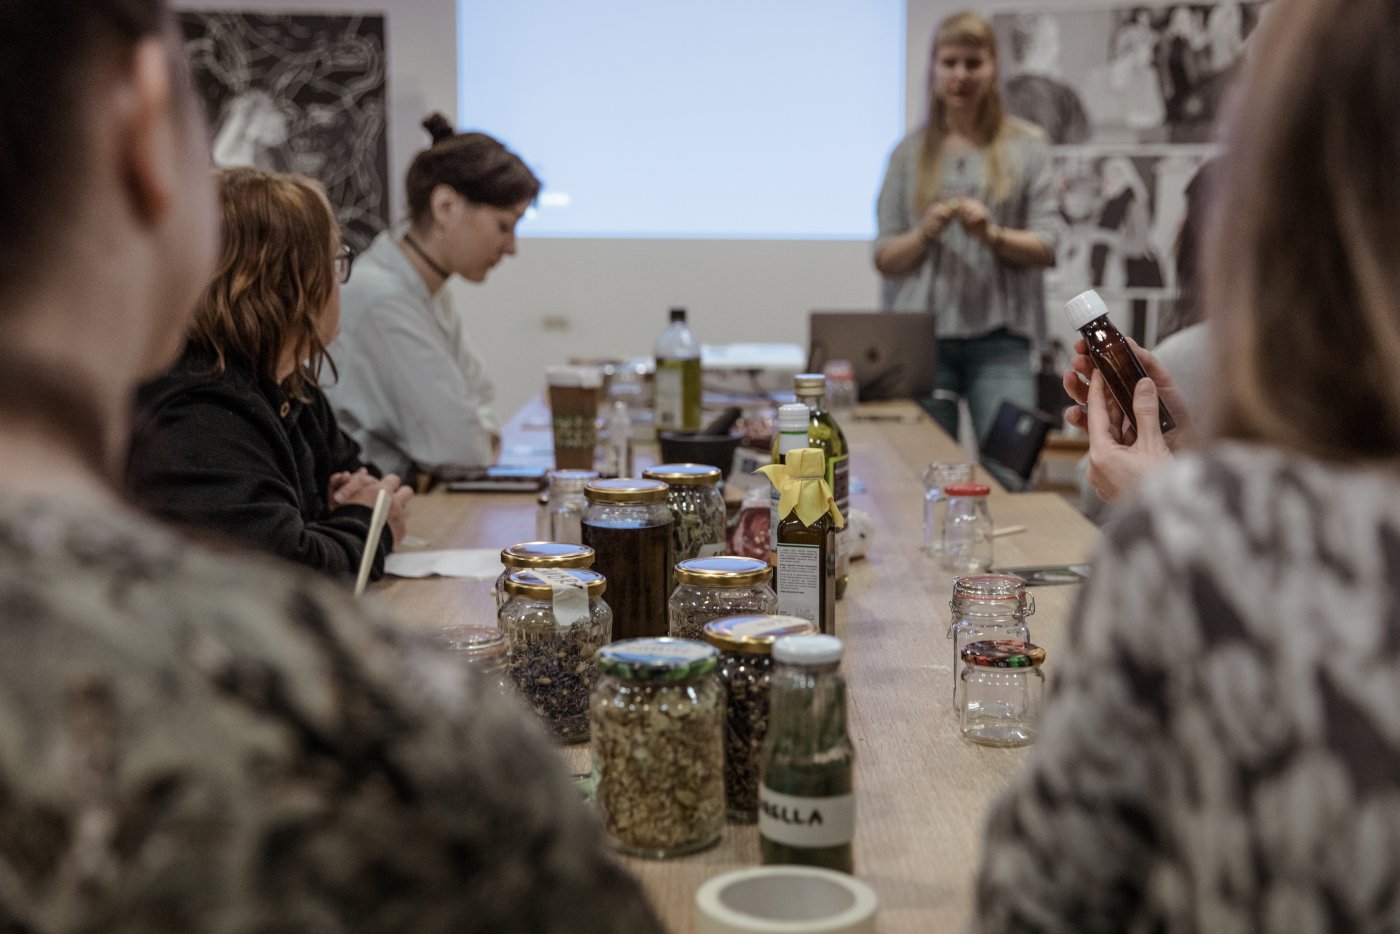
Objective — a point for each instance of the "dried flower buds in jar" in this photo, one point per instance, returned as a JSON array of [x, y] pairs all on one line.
[[697, 508], [713, 588], [746, 644], [554, 620], [658, 746]]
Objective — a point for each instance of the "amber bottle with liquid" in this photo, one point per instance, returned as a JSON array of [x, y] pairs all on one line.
[[805, 575], [1112, 354]]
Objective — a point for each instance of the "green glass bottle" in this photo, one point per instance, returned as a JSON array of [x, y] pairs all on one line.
[[807, 778], [677, 376], [825, 435]]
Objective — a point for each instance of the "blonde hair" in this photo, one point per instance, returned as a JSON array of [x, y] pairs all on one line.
[[992, 126], [1303, 283], [274, 278]]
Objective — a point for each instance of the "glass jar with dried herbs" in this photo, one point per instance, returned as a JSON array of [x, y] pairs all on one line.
[[554, 621], [697, 508], [539, 555], [713, 588], [745, 644], [658, 746]]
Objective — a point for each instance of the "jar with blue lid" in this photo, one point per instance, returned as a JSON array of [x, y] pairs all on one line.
[[658, 745]]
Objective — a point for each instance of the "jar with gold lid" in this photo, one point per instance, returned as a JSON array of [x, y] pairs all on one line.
[[745, 645], [713, 588], [697, 508], [554, 620], [628, 525], [539, 555]]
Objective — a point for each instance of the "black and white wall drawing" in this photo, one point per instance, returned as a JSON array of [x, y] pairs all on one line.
[[299, 93]]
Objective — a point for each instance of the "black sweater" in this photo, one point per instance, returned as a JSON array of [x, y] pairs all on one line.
[[232, 454]]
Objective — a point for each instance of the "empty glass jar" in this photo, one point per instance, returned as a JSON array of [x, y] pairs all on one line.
[[697, 508], [986, 606], [483, 650], [1003, 692], [936, 477], [713, 588], [539, 555], [966, 541], [562, 508]]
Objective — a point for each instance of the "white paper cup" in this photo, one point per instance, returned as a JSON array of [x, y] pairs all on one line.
[[785, 900]]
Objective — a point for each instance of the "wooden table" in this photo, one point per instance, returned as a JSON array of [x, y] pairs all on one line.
[[921, 789]]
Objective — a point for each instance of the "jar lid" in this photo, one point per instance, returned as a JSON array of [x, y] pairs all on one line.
[[1085, 307], [684, 474], [723, 571], [966, 489], [625, 491], [663, 660], [808, 650], [755, 635], [1003, 653], [475, 641], [809, 383], [547, 555], [794, 417], [997, 594], [526, 583]]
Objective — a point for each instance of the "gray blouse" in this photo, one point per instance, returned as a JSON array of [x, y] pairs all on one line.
[[971, 291]]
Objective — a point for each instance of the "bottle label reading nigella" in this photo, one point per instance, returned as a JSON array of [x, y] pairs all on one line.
[[799, 581], [806, 822]]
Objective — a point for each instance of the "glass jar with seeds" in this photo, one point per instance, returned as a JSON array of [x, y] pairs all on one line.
[[713, 588], [554, 620], [483, 650], [696, 505], [658, 746], [539, 555], [746, 644]]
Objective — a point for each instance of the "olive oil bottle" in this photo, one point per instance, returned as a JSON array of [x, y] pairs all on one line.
[[826, 436], [804, 540], [677, 376]]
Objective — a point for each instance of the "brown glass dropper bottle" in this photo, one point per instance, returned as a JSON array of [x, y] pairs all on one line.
[[1112, 354]]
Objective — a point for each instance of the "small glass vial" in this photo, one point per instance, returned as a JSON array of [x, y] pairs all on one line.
[[483, 650], [1111, 353], [697, 508], [967, 529], [658, 746], [539, 555], [1003, 692], [629, 525], [936, 477], [986, 606], [713, 588], [746, 644], [553, 622], [563, 506], [806, 792]]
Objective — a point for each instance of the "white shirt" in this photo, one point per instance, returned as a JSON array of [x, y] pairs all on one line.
[[410, 388]]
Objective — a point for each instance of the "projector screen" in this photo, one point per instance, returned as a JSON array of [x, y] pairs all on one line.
[[735, 119]]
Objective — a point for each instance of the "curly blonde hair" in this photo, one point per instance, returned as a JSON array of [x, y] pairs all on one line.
[[274, 278]]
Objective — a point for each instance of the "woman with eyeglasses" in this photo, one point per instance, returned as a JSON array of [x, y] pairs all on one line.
[[410, 386], [237, 438]]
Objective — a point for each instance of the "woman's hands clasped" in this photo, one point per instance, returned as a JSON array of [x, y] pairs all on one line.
[[361, 488]]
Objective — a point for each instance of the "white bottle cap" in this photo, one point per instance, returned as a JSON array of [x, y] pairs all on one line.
[[807, 650], [1083, 308], [793, 417]]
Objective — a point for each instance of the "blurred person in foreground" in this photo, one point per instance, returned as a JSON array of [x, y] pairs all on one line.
[[190, 740], [1221, 750], [236, 438]]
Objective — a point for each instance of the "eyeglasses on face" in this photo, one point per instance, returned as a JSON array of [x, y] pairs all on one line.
[[344, 259]]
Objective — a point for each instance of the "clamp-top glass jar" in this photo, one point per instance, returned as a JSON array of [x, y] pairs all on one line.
[[697, 508], [746, 661], [1003, 691], [554, 621], [713, 588], [966, 542], [561, 512], [539, 555], [658, 746], [986, 606], [629, 526], [483, 650]]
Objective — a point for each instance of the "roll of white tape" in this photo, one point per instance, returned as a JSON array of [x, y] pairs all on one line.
[[785, 900]]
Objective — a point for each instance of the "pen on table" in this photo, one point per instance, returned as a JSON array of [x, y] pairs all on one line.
[[376, 528], [1008, 530]]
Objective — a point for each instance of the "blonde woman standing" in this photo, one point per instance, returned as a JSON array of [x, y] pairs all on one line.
[[967, 222]]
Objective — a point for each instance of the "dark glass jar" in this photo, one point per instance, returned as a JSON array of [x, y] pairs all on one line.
[[628, 525]]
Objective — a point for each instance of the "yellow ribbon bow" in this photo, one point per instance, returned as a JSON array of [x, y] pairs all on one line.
[[801, 486]]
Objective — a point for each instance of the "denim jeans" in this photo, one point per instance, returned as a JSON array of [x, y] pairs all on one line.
[[984, 371]]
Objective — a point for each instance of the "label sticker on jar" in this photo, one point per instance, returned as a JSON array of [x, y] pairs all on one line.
[[570, 595], [770, 626], [711, 550], [806, 822]]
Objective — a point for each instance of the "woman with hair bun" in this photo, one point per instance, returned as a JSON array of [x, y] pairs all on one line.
[[411, 389]]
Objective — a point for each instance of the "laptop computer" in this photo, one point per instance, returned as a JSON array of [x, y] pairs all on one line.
[[890, 351]]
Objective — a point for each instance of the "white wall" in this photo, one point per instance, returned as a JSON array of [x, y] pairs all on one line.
[[562, 297]]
